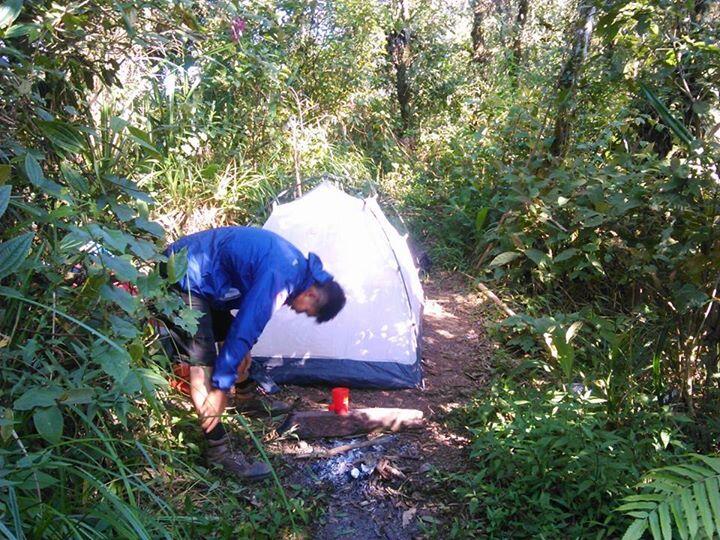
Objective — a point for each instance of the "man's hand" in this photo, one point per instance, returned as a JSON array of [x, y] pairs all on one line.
[[211, 412], [243, 371], [209, 402]]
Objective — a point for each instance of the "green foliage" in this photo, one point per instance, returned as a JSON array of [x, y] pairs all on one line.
[[90, 445], [122, 122], [544, 461], [682, 498]]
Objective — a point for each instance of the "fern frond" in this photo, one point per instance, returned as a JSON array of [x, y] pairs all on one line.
[[683, 498]]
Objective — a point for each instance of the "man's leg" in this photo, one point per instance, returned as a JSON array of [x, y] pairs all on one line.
[[246, 397], [210, 405]]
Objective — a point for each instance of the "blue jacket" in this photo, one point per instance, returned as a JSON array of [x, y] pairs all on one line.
[[252, 270]]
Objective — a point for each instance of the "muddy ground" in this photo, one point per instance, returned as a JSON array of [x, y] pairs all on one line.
[[383, 491]]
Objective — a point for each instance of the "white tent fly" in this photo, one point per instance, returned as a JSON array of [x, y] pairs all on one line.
[[374, 342]]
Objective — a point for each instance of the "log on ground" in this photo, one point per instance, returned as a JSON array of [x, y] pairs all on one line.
[[319, 424]]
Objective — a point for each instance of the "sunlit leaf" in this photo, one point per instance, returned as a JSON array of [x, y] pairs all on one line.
[[505, 258], [9, 11], [177, 266], [635, 530], [480, 219]]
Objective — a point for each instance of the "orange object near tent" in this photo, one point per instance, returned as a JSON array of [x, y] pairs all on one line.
[[180, 380]]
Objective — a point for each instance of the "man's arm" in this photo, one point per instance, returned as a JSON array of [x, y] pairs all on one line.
[[255, 310]]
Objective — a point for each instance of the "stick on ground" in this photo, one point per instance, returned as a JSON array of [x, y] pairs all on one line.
[[345, 448]]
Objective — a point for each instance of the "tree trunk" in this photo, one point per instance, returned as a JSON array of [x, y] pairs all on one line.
[[479, 53], [516, 55], [398, 50], [569, 76]]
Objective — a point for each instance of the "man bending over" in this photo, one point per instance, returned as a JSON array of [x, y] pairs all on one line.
[[255, 272]]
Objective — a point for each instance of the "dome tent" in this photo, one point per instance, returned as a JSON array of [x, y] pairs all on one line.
[[374, 342]]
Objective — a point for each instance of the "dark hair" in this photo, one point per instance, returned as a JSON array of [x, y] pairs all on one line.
[[334, 300]]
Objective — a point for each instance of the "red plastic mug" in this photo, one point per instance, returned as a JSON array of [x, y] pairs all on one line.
[[340, 401]]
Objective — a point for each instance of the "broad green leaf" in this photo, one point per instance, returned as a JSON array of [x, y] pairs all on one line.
[[74, 240], [123, 269], [120, 297], [710, 461], [704, 509], [504, 258], [480, 219], [635, 530], [37, 178], [143, 249], [638, 515], [109, 238], [680, 520], [20, 30], [130, 188], [63, 136], [74, 179], [688, 296], [688, 505], [537, 256], [666, 116], [4, 172], [78, 396], [645, 497], [7, 423], [566, 254], [150, 285], [665, 522], [122, 211], [136, 348], [150, 226], [177, 265], [143, 139], [117, 124], [131, 384], [712, 489], [668, 478], [702, 472], [13, 253], [4, 198], [37, 397], [112, 361], [49, 423], [684, 471], [637, 505], [33, 169], [655, 526], [9, 11], [122, 328]]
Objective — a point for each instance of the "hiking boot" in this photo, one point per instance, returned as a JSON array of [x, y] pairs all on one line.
[[248, 400], [221, 453]]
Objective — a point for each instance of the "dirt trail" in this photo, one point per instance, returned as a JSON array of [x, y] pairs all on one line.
[[377, 492]]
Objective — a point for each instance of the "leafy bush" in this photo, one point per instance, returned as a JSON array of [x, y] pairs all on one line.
[[544, 461], [89, 445], [684, 497]]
